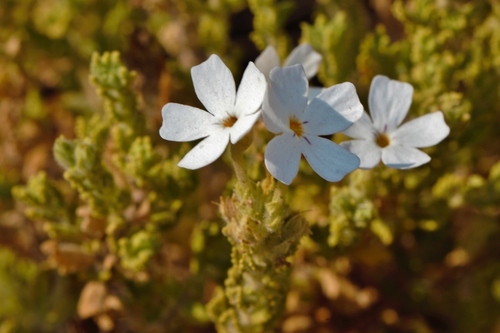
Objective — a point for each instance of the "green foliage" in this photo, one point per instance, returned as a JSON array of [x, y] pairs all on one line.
[[336, 33], [28, 302], [45, 200], [207, 244], [269, 19], [113, 83], [136, 250], [353, 210], [118, 177]]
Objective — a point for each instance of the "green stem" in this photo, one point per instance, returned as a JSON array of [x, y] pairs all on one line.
[[238, 159]]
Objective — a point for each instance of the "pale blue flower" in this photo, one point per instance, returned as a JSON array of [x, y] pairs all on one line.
[[299, 125], [384, 139]]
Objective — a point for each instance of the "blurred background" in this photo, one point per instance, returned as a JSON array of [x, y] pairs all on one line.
[[389, 251]]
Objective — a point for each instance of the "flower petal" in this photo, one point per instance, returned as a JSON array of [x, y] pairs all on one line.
[[367, 151], [275, 122], [243, 126], [389, 102], [206, 151], [250, 92], [313, 92], [282, 157], [184, 123], [333, 110], [344, 99], [403, 157], [214, 86], [286, 96], [423, 131], [362, 129], [305, 55], [328, 159], [267, 60]]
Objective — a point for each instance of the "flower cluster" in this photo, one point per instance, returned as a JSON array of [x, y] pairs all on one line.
[[300, 117]]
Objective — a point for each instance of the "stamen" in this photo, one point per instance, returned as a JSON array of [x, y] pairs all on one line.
[[296, 126], [229, 121], [382, 140]]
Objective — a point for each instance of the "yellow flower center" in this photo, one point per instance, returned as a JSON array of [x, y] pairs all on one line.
[[229, 121], [382, 140], [296, 126]]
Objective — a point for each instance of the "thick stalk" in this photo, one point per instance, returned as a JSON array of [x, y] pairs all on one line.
[[263, 233]]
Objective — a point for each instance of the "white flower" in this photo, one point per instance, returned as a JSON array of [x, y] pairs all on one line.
[[230, 115], [300, 124], [389, 102], [303, 54]]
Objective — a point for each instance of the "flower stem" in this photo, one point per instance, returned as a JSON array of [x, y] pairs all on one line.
[[238, 159]]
